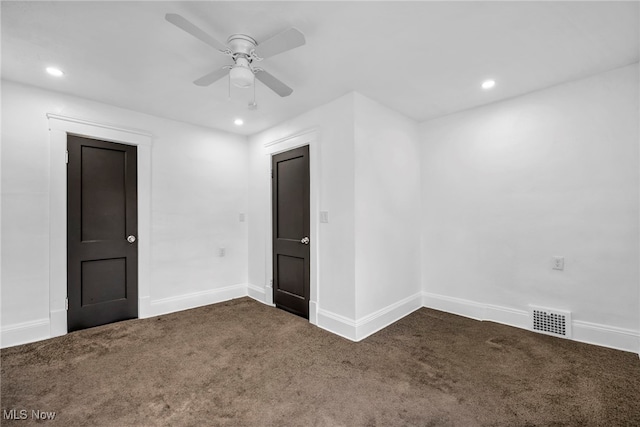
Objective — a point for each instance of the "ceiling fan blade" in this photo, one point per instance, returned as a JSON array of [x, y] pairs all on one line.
[[286, 40], [196, 32], [212, 77], [274, 84]]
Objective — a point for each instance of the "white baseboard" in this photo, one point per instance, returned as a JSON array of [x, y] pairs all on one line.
[[607, 336], [257, 293], [336, 324], [144, 307], [507, 316], [196, 299], [357, 330], [590, 333], [313, 313], [384, 317], [23, 333], [58, 323], [268, 295], [462, 307]]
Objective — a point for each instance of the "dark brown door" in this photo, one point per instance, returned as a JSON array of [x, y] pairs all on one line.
[[290, 193], [102, 230]]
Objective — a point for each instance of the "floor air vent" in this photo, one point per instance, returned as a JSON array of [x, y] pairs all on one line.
[[551, 322]]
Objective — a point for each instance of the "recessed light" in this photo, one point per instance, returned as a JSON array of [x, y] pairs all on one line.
[[238, 122], [488, 84], [55, 71]]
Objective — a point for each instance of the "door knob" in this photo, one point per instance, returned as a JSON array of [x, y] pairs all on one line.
[[131, 238], [305, 241]]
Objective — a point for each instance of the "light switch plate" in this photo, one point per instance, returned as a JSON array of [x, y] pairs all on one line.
[[324, 216]]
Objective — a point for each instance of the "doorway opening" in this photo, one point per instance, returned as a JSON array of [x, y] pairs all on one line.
[[102, 229], [290, 230], [59, 128], [308, 137]]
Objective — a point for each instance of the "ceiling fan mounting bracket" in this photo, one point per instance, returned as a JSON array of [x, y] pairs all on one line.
[[254, 56], [241, 44], [242, 57]]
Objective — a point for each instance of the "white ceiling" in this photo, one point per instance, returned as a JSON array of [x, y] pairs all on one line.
[[423, 59]]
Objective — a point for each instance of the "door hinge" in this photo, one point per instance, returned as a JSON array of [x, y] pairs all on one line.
[[66, 156], [271, 173], [66, 303]]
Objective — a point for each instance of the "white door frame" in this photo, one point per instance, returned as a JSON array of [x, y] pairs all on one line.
[[59, 127], [308, 137]]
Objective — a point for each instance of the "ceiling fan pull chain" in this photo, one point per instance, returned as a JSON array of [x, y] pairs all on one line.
[[253, 105]]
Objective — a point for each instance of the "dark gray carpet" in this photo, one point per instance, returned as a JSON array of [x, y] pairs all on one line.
[[242, 363]]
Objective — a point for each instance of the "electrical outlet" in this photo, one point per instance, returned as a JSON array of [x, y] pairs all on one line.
[[221, 252], [241, 216], [558, 263], [324, 216]]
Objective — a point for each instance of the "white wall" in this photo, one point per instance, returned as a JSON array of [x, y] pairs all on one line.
[[199, 186], [387, 210], [507, 186], [368, 181]]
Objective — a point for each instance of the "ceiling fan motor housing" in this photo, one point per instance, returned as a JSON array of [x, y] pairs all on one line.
[[241, 44]]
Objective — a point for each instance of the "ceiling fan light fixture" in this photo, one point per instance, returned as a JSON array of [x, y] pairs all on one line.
[[241, 76]]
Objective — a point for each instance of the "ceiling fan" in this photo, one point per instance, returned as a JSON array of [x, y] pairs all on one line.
[[244, 51]]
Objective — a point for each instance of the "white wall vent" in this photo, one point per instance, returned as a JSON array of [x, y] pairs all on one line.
[[551, 321]]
